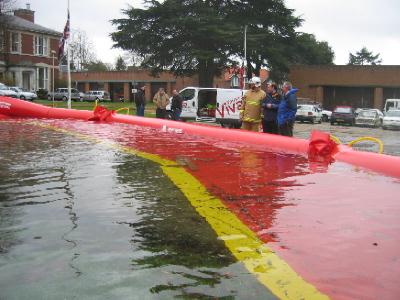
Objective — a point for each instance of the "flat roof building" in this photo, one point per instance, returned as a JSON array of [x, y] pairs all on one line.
[[356, 86], [121, 83]]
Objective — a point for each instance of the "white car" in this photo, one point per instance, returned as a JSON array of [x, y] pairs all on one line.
[[5, 91], [308, 112], [23, 94], [391, 119], [326, 115]]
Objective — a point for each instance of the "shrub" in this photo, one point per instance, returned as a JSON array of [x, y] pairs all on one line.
[[42, 93]]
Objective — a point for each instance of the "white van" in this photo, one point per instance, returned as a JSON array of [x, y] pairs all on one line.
[[392, 104], [212, 105]]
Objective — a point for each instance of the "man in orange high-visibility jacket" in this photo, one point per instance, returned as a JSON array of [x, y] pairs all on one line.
[[251, 111]]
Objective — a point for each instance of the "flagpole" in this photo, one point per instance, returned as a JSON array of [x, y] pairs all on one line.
[[245, 55], [68, 64]]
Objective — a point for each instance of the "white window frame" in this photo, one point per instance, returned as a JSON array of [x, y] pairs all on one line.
[[41, 49], [12, 42], [235, 81], [45, 85]]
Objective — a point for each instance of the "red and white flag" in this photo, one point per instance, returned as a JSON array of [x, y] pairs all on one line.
[[65, 36]]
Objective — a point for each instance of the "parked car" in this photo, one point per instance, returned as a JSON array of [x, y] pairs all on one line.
[[369, 117], [24, 94], [326, 115], [309, 113], [391, 119], [343, 114], [6, 91], [96, 95], [62, 94]]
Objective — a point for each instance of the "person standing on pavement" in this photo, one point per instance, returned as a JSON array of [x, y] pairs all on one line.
[[270, 107], [287, 110], [140, 101], [161, 99], [250, 112], [176, 106]]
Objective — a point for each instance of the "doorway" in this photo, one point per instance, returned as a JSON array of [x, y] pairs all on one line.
[[26, 80]]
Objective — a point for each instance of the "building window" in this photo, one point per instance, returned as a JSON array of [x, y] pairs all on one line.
[[234, 81], [41, 45], [42, 76], [15, 42]]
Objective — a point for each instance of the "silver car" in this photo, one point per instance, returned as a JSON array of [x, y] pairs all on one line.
[[369, 117], [24, 94], [96, 95], [62, 94]]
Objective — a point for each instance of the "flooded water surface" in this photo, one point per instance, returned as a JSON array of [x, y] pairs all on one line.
[[83, 221]]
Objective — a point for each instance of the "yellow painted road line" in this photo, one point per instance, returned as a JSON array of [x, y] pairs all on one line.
[[272, 271]]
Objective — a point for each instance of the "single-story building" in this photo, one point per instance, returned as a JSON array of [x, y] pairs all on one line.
[[356, 86], [121, 83]]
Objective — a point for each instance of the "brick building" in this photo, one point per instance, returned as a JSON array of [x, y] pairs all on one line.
[[121, 83], [27, 50], [357, 86]]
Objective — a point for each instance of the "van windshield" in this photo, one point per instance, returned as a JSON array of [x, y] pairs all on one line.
[[389, 105]]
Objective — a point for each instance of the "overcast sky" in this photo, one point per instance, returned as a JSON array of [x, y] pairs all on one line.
[[347, 25]]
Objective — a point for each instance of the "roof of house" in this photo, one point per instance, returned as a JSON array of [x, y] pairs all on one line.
[[18, 23]]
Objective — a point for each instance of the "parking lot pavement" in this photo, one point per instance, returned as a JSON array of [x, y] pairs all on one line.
[[390, 139]]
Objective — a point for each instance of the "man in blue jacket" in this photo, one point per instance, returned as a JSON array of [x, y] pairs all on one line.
[[287, 110], [270, 108]]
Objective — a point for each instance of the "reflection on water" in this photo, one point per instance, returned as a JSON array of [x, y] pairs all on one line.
[[82, 221]]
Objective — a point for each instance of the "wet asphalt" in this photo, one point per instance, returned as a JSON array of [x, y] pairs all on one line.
[[390, 138]]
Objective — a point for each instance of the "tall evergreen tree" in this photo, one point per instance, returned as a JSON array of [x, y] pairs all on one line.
[[120, 64], [364, 57], [310, 51], [185, 37], [202, 36]]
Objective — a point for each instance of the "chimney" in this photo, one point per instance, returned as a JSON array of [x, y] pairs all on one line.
[[26, 14]]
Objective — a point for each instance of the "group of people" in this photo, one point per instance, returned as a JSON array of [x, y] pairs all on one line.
[[275, 111], [161, 100]]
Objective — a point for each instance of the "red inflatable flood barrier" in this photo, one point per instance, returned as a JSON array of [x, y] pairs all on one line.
[[320, 146]]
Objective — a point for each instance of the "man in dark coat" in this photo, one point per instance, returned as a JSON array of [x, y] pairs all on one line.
[[176, 105], [270, 108], [140, 101], [287, 109]]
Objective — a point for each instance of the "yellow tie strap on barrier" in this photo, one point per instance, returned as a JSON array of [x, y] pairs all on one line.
[[336, 139], [368, 138], [123, 108], [95, 104]]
